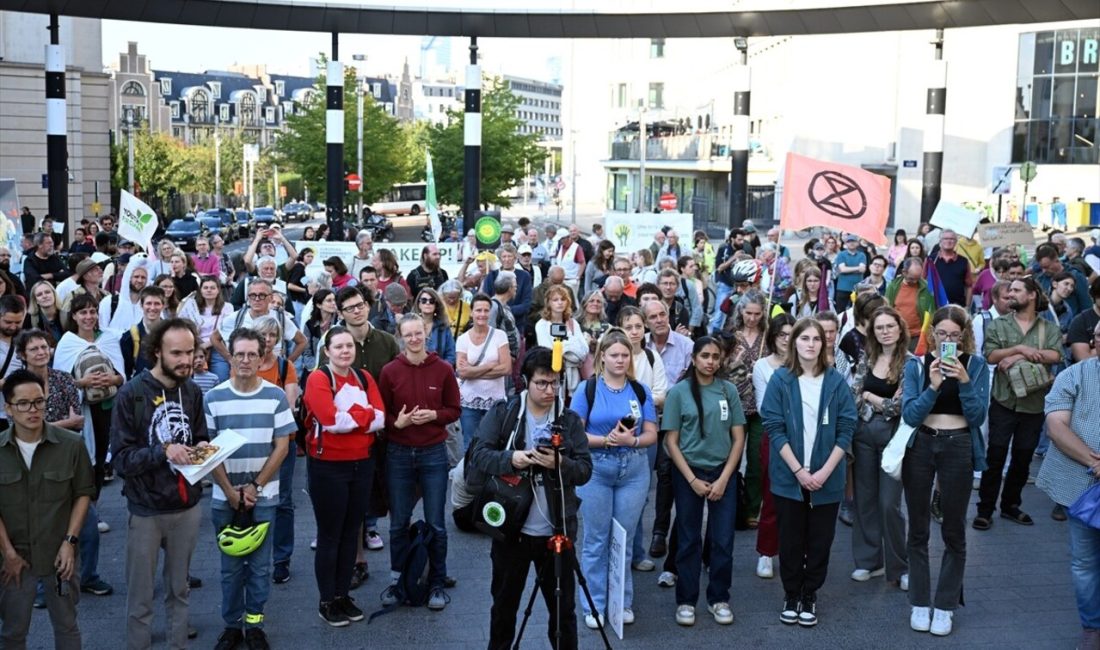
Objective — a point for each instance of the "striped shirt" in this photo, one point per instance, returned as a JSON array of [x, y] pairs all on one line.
[[1062, 478], [259, 416]]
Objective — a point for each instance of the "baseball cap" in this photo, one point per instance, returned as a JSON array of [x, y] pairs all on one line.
[[748, 226], [525, 249], [850, 237], [396, 295]]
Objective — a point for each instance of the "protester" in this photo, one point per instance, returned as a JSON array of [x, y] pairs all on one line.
[[495, 452], [806, 465], [946, 402], [482, 363], [746, 347], [704, 435], [1080, 343], [440, 340], [558, 310]]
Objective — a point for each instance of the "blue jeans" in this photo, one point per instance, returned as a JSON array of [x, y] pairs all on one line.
[[1084, 548], [406, 469], [639, 534], [246, 581], [721, 292], [617, 490], [284, 512], [218, 364], [89, 547], [470, 419], [721, 515]]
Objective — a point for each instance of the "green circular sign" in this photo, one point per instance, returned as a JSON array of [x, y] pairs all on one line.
[[1028, 171], [494, 514], [487, 230]]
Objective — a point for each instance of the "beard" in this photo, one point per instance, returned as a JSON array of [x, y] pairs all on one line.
[[179, 374], [135, 289], [432, 265]]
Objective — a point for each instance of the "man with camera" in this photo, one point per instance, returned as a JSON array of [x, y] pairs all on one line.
[[515, 438]]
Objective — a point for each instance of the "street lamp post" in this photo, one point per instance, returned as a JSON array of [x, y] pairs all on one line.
[[359, 80], [130, 148], [642, 129], [217, 164]]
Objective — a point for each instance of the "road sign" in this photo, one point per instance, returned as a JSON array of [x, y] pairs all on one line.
[[354, 183], [668, 202], [251, 153], [1028, 171], [96, 207], [1002, 179], [909, 164]]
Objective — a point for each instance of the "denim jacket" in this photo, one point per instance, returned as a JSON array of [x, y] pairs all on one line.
[[917, 401], [782, 414]]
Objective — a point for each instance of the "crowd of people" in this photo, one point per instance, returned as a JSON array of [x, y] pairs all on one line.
[[749, 390]]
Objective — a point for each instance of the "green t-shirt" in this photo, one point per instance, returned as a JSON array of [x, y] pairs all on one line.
[[722, 408]]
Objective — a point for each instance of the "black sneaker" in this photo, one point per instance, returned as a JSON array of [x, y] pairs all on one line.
[[935, 509], [789, 615], [346, 605], [658, 547], [256, 639], [807, 612], [98, 588], [281, 574], [230, 639], [332, 614], [359, 575]]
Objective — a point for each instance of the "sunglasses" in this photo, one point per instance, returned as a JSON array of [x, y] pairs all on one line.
[[426, 301]]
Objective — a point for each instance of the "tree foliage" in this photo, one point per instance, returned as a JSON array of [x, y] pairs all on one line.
[[387, 156], [505, 152]]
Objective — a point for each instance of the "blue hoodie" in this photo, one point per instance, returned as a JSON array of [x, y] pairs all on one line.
[[782, 414], [917, 400]]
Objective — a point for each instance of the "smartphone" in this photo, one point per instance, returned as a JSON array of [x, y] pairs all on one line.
[[269, 232], [62, 586], [628, 422], [543, 443], [949, 352]]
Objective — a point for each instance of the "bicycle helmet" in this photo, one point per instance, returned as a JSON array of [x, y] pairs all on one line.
[[243, 535], [745, 271]]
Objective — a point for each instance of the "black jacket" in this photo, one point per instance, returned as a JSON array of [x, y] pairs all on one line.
[[487, 455], [151, 486]]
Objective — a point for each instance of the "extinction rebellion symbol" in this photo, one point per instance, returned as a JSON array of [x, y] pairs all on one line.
[[838, 195]]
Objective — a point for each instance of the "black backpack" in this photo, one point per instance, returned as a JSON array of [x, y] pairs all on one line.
[[412, 585], [590, 390]]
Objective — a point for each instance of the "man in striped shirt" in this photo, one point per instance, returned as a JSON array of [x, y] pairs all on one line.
[[249, 479]]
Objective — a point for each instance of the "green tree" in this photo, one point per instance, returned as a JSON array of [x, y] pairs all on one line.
[[504, 150], [386, 145]]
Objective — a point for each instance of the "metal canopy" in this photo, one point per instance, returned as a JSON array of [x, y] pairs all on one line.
[[298, 15]]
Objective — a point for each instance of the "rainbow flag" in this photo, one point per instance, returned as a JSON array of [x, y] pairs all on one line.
[[935, 284]]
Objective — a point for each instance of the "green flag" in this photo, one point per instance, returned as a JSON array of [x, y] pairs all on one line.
[[433, 205]]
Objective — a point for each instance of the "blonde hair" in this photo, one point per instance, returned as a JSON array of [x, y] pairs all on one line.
[[614, 336]]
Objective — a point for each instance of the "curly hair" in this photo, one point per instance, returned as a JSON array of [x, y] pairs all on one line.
[[550, 293]]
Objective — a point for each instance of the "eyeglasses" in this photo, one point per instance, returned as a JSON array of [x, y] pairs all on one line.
[[246, 356], [426, 300], [359, 306], [24, 406], [950, 336], [542, 384], [259, 296]]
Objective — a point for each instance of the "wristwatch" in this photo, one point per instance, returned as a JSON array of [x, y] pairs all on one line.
[[72, 539], [259, 488]]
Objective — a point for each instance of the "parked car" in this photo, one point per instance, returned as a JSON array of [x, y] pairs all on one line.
[[229, 221], [244, 223], [212, 225], [263, 218], [183, 232], [297, 212]]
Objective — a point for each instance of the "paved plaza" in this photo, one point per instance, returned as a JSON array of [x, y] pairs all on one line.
[[1018, 595]]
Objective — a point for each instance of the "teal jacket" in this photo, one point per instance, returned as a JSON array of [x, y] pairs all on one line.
[[917, 400], [782, 415]]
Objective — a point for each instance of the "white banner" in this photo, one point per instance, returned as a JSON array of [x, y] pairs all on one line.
[[408, 254], [616, 577], [634, 231], [136, 220], [951, 216]]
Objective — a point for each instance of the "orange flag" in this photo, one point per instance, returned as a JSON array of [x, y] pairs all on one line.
[[839, 197]]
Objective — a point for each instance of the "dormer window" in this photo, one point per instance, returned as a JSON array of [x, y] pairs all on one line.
[[223, 112], [216, 89], [166, 86], [269, 113], [175, 110], [280, 88]]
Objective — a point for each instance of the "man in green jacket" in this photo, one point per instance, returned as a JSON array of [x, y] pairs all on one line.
[[909, 295]]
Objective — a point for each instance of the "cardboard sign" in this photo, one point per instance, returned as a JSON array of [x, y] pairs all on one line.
[[616, 577], [632, 232], [997, 235]]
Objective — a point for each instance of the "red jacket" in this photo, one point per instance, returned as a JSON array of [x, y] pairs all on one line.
[[319, 396], [429, 385]]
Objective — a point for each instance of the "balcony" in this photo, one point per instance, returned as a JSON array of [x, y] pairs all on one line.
[[674, 147]]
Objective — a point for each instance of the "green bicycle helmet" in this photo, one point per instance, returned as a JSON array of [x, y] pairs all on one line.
[[243, 535]]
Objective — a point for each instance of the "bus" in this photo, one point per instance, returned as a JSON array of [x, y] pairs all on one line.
[[406, 198]]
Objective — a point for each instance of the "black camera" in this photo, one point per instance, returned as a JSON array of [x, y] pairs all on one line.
[[559, 331]]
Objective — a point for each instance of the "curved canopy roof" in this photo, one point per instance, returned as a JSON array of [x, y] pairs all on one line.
[[352, 17]]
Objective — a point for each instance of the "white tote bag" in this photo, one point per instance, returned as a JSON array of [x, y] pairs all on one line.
[[894, 453]]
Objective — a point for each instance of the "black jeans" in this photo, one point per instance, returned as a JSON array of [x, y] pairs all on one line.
[[511, 562], [1021, 432], [101, 428], [662, 508], [339, 491], [948, 459], [805, 539]]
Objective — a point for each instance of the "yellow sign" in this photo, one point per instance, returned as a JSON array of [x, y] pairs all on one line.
[[96, 207]]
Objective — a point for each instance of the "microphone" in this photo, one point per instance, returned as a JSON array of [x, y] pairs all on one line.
[[556, 360]]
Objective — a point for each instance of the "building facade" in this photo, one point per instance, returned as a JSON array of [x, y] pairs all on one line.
[[23, 38], [539, 108]]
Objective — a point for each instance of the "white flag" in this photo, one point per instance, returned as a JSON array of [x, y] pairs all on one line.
[[136, 220]]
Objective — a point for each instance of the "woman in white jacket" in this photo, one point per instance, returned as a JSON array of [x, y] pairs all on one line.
[[559, 309]]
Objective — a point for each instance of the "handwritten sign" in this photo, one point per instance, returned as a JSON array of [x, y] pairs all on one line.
[[997, 235], [407, 254]]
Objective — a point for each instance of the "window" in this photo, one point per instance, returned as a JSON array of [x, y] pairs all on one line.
[[656, 95], [376, 90], [223, 112], [280, 88], [215, 89], [133, 89], [175, 110], [656, 48], [166, 86], [269, 114], [288, 108], [248, 109], [199, 106]]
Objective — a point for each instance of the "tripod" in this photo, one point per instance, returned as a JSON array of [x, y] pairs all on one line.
[[560, 543]]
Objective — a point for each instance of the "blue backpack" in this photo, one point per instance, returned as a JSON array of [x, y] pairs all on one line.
[[412, 585]]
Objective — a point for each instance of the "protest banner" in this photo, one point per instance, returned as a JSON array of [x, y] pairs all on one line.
[[951, 216], [997, 235], [839, 197], [634, 231]]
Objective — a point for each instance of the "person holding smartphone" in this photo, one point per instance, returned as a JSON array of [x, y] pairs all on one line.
[[704, 426], [945, 395], [621, 422]]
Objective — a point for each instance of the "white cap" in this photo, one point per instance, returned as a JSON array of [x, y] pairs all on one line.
[[524, 249]]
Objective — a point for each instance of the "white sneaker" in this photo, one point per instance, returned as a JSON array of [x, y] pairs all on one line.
[[904, 582], [590, 622], [666, 579], [722, 613], [374, 541], [103, 527], [921, 619], [685, 615], [941, 622], [764, 568], [863, 575], [313, 544], [628, 616], [645, 564]]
